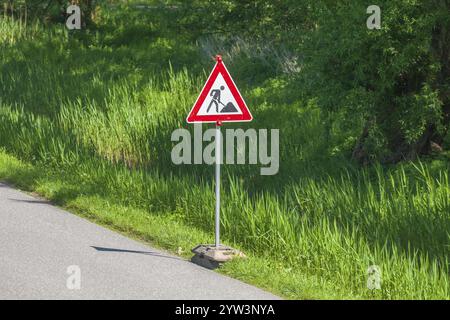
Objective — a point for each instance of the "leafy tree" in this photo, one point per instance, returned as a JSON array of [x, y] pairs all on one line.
[[261, 19], [395, 81], [48, 10], [397, 78]]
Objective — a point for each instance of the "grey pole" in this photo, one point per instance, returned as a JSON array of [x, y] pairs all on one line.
[[218, 160]]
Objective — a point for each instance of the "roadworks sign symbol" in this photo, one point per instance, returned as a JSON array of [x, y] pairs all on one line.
[[220, 99]]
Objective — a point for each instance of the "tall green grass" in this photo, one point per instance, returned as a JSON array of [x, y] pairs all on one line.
[[102, 115]]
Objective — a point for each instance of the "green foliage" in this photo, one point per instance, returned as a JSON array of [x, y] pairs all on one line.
[[394, 77], [422, 108], [47, 10], [94, 112], [384, 77]]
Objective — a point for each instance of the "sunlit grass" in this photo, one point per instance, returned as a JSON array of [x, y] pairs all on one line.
[[95, 121]]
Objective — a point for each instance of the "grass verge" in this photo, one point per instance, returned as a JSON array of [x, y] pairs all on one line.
[[159, 230], [93, 112]]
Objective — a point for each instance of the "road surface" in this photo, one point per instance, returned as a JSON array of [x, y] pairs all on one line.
[[47, 253]]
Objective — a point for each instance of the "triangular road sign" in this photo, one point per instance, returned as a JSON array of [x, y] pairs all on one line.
[[220, 99]]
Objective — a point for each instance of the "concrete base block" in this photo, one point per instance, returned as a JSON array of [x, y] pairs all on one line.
[[210, 256]]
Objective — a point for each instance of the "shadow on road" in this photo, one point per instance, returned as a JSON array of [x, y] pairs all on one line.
[[30, 201], [150, 253]]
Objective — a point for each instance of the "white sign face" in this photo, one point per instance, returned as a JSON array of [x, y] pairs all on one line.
[[220, 100]]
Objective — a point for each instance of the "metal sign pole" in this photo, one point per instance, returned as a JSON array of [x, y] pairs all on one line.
[[212, 255], [218, 161]]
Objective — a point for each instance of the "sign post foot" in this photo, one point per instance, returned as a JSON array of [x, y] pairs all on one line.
[[212, 256]]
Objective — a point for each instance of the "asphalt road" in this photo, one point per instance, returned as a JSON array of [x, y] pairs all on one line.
[[46, 253]]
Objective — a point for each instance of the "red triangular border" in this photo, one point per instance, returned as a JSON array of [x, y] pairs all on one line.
[[220, 68]]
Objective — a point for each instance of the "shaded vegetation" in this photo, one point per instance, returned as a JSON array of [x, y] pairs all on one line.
[[94, 111]]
